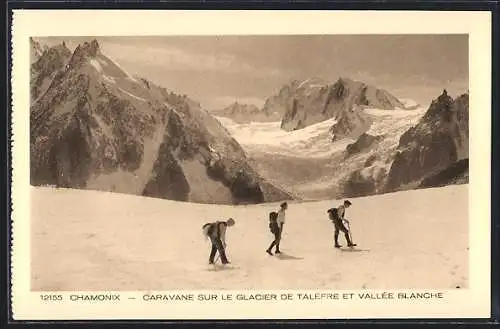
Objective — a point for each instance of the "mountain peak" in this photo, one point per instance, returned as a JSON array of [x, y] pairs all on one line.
[[444, 98], [84, 51], [62, 47], [240, 107], [344, 80], [305, 106], [90, 48], [440, 108]]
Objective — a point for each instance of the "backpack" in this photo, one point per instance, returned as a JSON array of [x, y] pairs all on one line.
[[273, 224], [333, 212], [208, 228]]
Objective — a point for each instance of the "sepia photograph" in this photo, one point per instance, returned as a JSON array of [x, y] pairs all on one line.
[[322, 162], [287, 147]]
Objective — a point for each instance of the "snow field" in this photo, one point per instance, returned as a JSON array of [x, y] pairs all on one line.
[[87, 240]]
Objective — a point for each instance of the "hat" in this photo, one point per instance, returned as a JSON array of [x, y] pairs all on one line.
[[347, 202]]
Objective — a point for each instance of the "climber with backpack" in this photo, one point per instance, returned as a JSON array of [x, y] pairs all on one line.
[[276, 222], [216, 232], [337, 216]]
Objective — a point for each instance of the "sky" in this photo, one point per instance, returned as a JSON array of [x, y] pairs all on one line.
[[218, 70]]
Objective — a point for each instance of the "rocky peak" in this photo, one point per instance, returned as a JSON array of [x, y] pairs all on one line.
[[46, 68], [364, 142], [144, 141], [83, 52], [344, 81], [437, 141], [440, 108], [341, 88], [313, 101], [285, 91], [36, 51], [243, 113], [351, 123], [237, 107], [34, 43], [51, 55]]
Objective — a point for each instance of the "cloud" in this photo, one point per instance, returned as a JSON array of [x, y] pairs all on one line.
[[175, 58]]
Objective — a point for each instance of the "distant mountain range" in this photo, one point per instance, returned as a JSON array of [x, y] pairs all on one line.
[[302, 103], [94, 126], [245, 113], [365, 150]]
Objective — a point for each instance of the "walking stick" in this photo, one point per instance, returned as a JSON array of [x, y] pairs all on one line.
[[349, 230]]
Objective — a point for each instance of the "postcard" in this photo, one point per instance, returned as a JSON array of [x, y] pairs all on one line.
[[250, 164]]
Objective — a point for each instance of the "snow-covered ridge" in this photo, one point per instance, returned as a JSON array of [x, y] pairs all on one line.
[[392, 123], [114, 63], [315, 140], [132, 95], [312, 83], [409, 103], [398, 113], [269, 133], [97, 64], [312, 141]]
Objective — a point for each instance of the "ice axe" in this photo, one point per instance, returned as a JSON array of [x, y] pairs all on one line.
[[349, 229]]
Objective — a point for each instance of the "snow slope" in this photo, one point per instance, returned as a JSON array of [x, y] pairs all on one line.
[[87, 240]]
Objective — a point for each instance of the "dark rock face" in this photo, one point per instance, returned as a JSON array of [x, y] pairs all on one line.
[[36, 51], [351, 123], [45, 67], [237, 176], [83, 52], [370, 160], [69, 125], [456, 173], [97, 127], [311, 101], [245, 113], [439, 140], [364, 142], [168, 180], [68, 158], [357, 185], [238, 108]]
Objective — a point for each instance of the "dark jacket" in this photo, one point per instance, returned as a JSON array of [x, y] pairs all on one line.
[[216, 230]]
